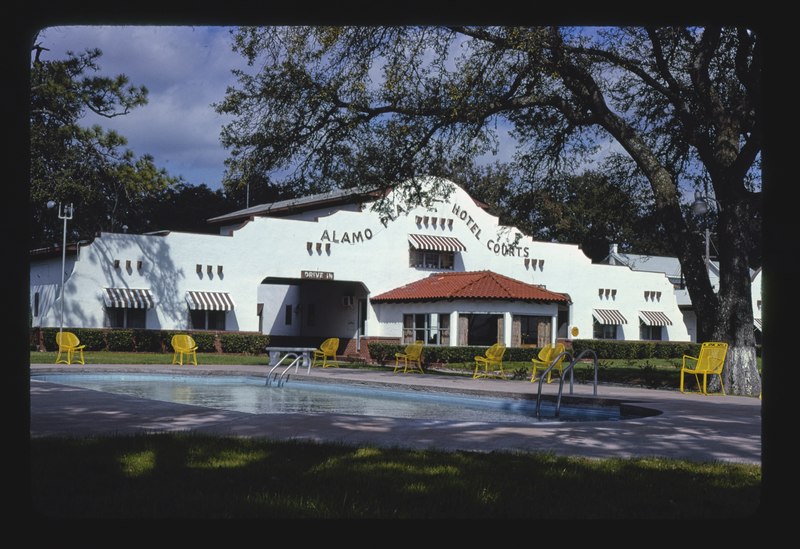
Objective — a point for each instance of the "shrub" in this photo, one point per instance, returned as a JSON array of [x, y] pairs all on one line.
[[635, 349], [151, 341], [251, 344], [384, 353]]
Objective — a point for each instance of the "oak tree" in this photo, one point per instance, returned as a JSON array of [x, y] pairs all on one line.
[[370, 106]]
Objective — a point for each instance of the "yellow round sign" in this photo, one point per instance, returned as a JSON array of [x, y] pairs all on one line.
[[574, 331]]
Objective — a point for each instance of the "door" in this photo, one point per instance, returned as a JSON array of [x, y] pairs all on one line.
[[516, 331], [463, 329], [543, 331]]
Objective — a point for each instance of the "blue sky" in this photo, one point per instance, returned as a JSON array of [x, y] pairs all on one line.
[[185, 69]]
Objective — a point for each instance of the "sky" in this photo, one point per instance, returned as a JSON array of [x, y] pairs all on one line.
[[186, 70]]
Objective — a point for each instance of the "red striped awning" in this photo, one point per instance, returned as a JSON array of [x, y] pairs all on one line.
[[609, 316], [128, 298], [436, 243], [209, 301], [655, 318]]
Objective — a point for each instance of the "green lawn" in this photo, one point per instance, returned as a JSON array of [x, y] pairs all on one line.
[[193, 476], [651, 373]]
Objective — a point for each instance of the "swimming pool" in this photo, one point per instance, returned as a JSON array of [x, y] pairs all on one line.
[[250, 395]]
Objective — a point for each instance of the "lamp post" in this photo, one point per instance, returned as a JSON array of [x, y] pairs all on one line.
[[64, 213], [701, 205]]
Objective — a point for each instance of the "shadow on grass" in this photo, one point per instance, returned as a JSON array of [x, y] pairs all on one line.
[[193, 476]]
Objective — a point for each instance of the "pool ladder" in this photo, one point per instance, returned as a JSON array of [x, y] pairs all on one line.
[[279, 378], [569, 368]]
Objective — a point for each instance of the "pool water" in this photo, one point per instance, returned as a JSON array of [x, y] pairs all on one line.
[[251, 395]]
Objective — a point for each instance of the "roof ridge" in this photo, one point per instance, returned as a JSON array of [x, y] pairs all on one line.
[[471, 282], [504, 281]]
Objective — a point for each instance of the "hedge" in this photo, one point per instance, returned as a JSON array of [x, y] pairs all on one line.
[[384, 353], [605, 349], [609, 349], [152, 341]]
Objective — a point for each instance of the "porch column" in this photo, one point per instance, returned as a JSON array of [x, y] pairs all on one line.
[[454, 329], [507, 319]]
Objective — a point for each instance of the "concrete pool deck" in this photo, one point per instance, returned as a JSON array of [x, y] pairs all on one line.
[[689, 426]]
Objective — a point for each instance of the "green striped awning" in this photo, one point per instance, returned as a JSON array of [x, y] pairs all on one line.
[[609, 316], [128, 298], [209, 301]]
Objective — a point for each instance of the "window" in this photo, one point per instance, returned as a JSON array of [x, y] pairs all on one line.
[[425, 259], [36, 304], [604, 331], [123, 317], [207, 320], [216, 320], [288, 315], [431, 328], [649, 333], [530, 330]]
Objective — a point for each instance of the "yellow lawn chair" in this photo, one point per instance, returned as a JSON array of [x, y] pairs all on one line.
[[709, 363], [545, 357], [327, 350], [69, 344], [184, 344], [493, 358], [412, 355]]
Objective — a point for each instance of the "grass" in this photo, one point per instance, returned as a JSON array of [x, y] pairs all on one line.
[[194, 476], [650, 373]]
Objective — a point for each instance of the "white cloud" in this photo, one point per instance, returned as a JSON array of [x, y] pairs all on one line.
[[185, 69]]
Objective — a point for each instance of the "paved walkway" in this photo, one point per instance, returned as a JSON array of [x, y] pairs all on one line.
[[689, 426]]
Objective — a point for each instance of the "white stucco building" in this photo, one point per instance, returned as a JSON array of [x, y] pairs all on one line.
[[671, 267], [330, 266]]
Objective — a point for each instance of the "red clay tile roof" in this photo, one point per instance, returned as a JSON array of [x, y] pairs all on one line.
[[469, 285]]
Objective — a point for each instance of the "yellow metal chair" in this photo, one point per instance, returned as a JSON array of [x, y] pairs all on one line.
[[709, 363], [69, 344], [184, 344], [412, 355], [326, 350], [545, 357], [493, 358]]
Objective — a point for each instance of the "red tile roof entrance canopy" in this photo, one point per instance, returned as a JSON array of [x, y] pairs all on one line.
[[469, 285]]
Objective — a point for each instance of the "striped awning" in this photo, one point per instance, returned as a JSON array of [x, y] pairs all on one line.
[[128, 298], [757, 323], [609, 316], [436, 243], [655, 318], [209, 301]]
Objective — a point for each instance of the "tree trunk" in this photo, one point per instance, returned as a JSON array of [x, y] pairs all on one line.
[[740, 374], [734, 318]]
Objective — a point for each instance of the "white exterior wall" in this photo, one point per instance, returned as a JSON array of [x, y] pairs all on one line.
[[756, 295], [45, 282], [356, 246]]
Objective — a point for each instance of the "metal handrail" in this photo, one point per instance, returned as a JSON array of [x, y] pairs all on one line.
[[594, 354], [295, 363], [568, 368], [545, 373]]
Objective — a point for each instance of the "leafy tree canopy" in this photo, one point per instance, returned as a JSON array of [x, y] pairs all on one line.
[[88, 167]]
